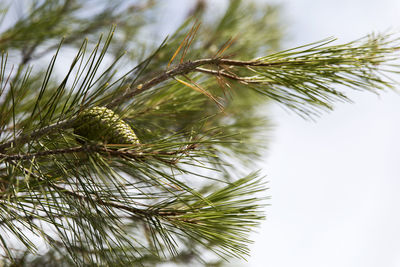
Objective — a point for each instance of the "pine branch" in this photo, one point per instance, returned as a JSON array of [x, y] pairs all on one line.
[[301, 78], [355, 64], [174, 192], [197, 218]]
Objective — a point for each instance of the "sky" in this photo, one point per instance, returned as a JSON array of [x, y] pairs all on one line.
[[334, 182]]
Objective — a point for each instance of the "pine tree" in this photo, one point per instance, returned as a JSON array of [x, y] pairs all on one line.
[[124, 148]]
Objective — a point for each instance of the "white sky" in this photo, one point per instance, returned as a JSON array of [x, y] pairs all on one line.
[[335, 182]]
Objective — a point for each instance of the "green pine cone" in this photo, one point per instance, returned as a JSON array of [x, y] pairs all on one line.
[[102, 124]]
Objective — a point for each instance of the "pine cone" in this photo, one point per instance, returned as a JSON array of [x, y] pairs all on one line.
[[102, 124]]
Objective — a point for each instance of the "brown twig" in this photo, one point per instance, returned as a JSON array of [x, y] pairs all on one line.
[[40, 132], [228, 75], [185, 68], [126, 153], [78, 196], [27, 156]]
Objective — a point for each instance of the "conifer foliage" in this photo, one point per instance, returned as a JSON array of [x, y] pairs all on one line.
[[120, 147]]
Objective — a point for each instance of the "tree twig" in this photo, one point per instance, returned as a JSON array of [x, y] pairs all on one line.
[[129, 153], [185, 68], [228, 75], [40, 132], [130, 209]]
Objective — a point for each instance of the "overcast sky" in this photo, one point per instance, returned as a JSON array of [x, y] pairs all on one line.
[[335, 183]]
